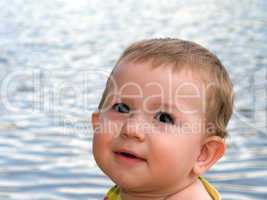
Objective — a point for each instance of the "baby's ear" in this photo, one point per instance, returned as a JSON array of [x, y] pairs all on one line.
[[212, 150], [95, 120]]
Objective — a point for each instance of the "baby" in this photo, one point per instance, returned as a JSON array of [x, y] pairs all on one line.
[[162, 120]]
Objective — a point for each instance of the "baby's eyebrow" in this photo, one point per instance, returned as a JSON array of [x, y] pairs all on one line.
[[156, 102], [165, 104], [153, 101], [181, 109], [131, 98]]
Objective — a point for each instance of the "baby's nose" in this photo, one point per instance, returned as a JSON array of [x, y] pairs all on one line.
[[133, 128]]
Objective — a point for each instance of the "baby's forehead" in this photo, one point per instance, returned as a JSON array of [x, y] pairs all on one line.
[[163, 77], [186, 95], [141, 78]]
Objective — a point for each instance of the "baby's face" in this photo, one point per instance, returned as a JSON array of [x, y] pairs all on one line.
[[149, 134]]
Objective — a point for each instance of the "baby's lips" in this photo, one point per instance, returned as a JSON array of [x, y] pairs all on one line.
[[130, 153]]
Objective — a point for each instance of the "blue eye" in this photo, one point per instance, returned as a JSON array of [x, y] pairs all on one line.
[[164, 117], [121, 107]]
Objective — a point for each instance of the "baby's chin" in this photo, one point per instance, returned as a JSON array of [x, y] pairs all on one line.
[[136, 184], [126, 183]]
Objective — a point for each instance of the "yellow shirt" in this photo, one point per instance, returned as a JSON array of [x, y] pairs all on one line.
[[114, 192]]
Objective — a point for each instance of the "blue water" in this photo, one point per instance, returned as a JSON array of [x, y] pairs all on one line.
[[55, 56]]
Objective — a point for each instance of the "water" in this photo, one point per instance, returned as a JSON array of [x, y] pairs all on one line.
[[55, 56]]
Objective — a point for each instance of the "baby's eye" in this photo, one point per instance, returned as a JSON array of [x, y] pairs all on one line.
[[121, 107], [164, 117]]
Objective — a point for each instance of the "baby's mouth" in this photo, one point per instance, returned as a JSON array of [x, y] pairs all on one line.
[[129, 155]]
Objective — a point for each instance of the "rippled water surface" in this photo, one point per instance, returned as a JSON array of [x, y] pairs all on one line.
[[55, 56]]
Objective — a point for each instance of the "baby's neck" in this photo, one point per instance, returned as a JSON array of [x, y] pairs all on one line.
[[192, 191]]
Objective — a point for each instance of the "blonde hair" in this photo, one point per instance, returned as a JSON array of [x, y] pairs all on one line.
[[183, 54]]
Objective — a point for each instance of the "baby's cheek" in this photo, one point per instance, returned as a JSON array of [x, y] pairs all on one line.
[[172, 154], [103, 137], [110, 127], [170, 164], [101, 141], [101, 148]]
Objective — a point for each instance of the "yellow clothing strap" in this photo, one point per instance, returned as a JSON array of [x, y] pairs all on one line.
[[114, 192], [210, 189]]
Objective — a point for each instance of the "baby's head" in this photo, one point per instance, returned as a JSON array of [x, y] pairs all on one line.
[[162, 118]]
